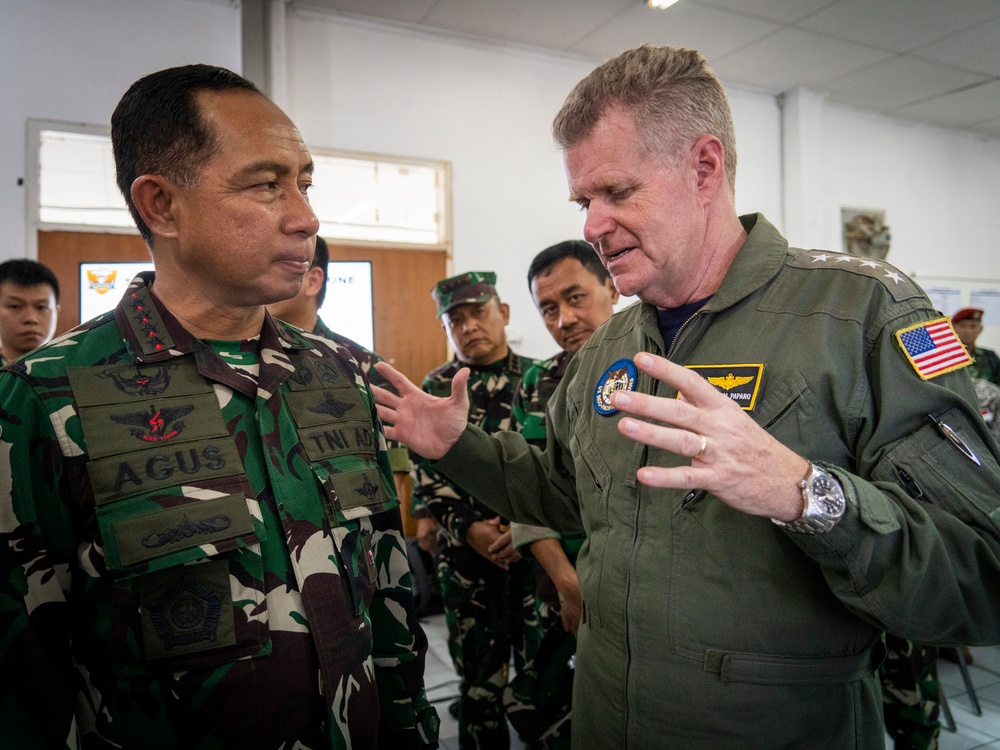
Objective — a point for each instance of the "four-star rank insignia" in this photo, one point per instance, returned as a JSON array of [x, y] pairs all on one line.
[[740, 382], [621, 376]]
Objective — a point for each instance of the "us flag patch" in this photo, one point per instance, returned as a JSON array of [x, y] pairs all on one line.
[[933, 348]]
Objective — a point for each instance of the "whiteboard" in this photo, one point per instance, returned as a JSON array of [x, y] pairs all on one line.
[[950, 293]]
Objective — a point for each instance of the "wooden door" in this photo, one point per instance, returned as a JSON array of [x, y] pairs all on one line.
[[408, 334], [63, 252]]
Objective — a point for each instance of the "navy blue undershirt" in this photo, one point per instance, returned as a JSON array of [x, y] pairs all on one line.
[[670, 320]]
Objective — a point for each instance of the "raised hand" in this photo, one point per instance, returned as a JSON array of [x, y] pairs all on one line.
[[731, 455], [424, 423]]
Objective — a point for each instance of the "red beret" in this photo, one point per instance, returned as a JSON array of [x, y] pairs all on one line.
[[967, 313]]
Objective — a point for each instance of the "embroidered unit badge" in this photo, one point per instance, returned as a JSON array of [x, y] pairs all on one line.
[[619, 377], [933, 348]]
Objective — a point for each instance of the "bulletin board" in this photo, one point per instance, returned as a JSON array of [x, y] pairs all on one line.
[[950, 293]]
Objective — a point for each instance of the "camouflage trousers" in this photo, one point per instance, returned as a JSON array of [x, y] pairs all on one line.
[[539, 698], [491, 616], [910, 694]]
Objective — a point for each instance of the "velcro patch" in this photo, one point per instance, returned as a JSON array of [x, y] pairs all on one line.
[[186, 610], [933, 348], [123, 384], [138, 424], [319, 407], [339, 439], [180, 528], [740, 382], [152, 469]]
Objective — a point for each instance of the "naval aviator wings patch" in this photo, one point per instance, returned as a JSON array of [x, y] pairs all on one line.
[[739, 382]]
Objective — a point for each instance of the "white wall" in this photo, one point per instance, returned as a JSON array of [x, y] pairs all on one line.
[[487, 110], [72, 61]]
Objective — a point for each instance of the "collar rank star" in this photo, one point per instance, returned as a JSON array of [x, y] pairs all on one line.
[[739, 382], [619, 377]]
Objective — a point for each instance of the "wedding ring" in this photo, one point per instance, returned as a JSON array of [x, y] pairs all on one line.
[[701, 452]]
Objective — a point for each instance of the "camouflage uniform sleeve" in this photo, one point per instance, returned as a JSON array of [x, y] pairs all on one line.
[[38, 690], [399, 642], [521, 534], [434, 496]]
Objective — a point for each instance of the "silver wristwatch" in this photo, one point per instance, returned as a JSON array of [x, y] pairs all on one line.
[[823, 503]]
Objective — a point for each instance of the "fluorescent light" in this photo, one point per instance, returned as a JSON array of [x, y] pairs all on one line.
[[660, 4]]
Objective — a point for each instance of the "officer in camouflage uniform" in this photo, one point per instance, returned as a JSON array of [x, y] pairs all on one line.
[[910, 694], [486, 589], [200, 546], [574, 295]]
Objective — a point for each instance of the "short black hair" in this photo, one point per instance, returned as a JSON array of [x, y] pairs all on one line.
[[578, 249], [29, 273], [157, 129], [321, 259]]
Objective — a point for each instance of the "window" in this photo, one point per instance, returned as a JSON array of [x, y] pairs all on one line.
[[363, 198]]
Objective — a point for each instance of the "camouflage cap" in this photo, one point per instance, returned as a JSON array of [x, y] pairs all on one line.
[[471, 287]]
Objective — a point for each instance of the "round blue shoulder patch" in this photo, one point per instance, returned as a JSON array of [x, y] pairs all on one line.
[[619, 377]]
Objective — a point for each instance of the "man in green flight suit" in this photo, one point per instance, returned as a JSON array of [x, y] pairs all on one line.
[[574, 295], [486, 588], [776, 456], [200, 545]]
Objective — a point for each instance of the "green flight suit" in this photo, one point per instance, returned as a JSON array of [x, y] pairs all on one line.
[[200, 545], [705, 627]]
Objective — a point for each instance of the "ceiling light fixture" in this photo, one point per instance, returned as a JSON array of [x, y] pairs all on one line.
[[660, 4]]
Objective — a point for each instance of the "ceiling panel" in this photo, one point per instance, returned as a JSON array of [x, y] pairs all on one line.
[[532, 22], [899, 25], [897, 82], [411, 11], [713, 31], [959, 109], [851, 49], [974, 49], [782, 11], [792, 58]]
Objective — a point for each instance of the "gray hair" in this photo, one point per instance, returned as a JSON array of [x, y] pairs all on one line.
[[673, 96]]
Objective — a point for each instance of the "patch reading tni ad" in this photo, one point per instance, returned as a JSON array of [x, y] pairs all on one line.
[[739, 382]]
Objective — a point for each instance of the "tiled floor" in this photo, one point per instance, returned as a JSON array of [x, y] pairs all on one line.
[[973, 731], [442, 684]]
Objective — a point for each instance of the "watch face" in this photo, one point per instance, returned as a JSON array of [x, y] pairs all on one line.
[[828, 494]]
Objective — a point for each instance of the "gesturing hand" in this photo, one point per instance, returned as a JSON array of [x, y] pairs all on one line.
[[731, 455], [427, 424]]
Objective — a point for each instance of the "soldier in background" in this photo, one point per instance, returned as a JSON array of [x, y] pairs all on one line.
[[200, 545], [911, 694], [29, 306], [574, 294], [968, 323], [302, 311], [486, 589]]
